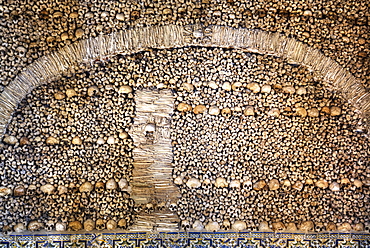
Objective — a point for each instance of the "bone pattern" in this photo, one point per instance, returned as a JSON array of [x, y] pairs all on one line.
[[51, 66], [152, 174]]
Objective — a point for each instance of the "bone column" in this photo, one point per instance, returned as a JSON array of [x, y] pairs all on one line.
[[152, 174]]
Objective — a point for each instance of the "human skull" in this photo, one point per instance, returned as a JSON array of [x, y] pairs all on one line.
[[226, 112], [122, 223], [149, 132], [319, 227], [278, 226], [20, 227], [185, 225], [75, 226], [239, 226], [161, 206], [34, 226], [286, 185], [99, 187], [47, 188], [123, 184], [344, 227], [89, 225], [100, 224], [291, 227], [264, 227], [149, 208], [248, 185], [111, 225], [212, 226], [49, 225], [221, 182], [111, 184], [59, 227], [226, 224], [359, 227], [138, 208], [259, 185], [173, 207], [198, 225], [235, 184], [331, 227], [237, 86], [306, 226], [193, 183]]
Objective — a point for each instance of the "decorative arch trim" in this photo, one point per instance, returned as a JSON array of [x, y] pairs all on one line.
[[50, 67]]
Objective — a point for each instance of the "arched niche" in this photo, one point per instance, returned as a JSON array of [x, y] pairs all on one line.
[[53, 65]]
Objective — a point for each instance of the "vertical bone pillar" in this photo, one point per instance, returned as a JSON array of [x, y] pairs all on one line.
[[152, 174]]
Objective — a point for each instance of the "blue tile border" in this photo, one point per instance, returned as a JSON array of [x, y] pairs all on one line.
[[188, 239]]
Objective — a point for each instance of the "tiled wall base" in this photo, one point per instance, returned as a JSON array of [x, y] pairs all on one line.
[[191, 239]]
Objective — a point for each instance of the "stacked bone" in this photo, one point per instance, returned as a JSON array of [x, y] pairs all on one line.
[[257, 116], [32, 30], [152, 172]]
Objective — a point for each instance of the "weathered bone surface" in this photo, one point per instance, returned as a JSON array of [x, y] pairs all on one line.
[[152, 174], [52, 66]]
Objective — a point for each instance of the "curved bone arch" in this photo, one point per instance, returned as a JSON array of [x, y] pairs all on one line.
[[53, 65]]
